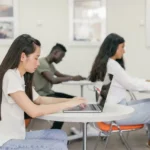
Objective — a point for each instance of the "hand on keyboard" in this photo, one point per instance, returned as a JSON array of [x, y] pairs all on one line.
[[77, 101], [82, 106]]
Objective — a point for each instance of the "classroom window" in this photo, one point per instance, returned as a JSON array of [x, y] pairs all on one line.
[[87, 21], [8, 20]]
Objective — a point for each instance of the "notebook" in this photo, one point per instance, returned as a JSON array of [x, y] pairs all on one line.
[[95, 108]]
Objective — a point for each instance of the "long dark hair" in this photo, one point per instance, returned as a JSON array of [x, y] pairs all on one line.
[[22, 44], [107, 50]]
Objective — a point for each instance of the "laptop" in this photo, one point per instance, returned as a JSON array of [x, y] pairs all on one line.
[[101, 100]]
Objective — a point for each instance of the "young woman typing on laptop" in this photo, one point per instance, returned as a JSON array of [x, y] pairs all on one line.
[[17, 96], [110, 60]]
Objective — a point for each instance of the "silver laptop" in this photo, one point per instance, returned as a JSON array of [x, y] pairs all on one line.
[[95, 108]]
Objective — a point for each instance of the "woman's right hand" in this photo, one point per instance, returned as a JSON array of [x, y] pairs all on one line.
[[77, 101], [78, 78]]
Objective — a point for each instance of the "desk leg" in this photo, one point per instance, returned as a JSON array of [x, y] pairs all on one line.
[[84, 135], [82, 90]]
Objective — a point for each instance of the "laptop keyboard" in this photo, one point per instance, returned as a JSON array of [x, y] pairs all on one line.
[[89, 106], [94, 106]]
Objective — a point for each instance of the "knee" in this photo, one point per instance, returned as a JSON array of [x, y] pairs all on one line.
[[62, 146], [58, 146], [61, 135]]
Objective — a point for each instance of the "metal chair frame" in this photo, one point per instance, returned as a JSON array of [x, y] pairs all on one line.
[[113, 123], [108, 133]]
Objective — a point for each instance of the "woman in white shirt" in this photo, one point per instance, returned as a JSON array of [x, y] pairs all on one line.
[[17, 96], [110, 60]]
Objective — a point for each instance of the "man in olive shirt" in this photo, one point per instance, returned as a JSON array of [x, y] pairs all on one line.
[[46, 75]]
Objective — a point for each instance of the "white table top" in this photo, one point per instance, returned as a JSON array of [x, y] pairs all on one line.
[[81, 82], [111, 112]]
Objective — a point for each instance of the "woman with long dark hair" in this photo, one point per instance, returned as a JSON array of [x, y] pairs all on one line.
[[17, 96], [110, 60]]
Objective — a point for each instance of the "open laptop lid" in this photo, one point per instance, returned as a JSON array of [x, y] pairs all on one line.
[[101, 101], [105, 90]]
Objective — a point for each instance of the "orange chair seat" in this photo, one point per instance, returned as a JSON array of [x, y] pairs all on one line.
[[106, 127], [27, 121]]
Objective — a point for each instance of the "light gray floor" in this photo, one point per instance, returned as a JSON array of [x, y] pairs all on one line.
[[137, 139]]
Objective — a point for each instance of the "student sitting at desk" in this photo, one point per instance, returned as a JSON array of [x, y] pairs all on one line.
[[17, 96], [46, 75], [110, 60]]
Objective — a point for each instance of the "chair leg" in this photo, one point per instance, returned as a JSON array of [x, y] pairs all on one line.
[[109, 133], [124, 141], [107, 139], [98, 139], [127, 135]]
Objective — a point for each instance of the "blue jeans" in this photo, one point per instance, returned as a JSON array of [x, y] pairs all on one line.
[[51, 139], [141, 114]]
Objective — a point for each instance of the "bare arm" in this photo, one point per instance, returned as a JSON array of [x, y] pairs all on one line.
[[49, 100], [75, 78], [35, 110], [59, 74], [54, 80]]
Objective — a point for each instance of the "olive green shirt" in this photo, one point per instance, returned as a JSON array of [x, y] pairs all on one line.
[[42, 86]]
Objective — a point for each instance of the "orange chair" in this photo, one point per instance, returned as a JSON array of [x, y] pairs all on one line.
[[27, 122], [113, 127], [107, 129]]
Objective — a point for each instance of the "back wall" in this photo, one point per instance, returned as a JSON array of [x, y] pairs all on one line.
[[126, 18]]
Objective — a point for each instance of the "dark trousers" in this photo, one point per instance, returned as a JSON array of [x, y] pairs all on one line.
[[56, 124]]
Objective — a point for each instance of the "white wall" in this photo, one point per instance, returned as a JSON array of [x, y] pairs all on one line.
[[123, 17]]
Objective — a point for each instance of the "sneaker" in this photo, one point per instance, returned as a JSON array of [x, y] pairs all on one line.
[[75, 131], [148, 144], [91, 131]]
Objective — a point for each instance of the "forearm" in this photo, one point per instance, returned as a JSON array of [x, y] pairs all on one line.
[[61, 79], [55, 80], [58, 74], [65, 75], [51, 100], [50, 109]]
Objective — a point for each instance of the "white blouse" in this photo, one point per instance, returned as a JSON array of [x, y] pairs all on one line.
[[122, 82], [12, 125]]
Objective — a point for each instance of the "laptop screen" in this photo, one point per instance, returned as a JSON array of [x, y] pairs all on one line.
[[104, 90]]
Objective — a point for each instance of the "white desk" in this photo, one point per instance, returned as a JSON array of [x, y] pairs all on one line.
[[77, 133], [110, 113], [81, 83]]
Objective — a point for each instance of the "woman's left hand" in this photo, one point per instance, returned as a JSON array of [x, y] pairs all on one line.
[[82, 106]]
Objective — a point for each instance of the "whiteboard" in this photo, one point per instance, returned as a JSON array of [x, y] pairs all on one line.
[[148, 23]]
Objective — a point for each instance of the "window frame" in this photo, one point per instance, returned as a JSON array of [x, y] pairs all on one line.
[[72, 20], [14, 20]]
